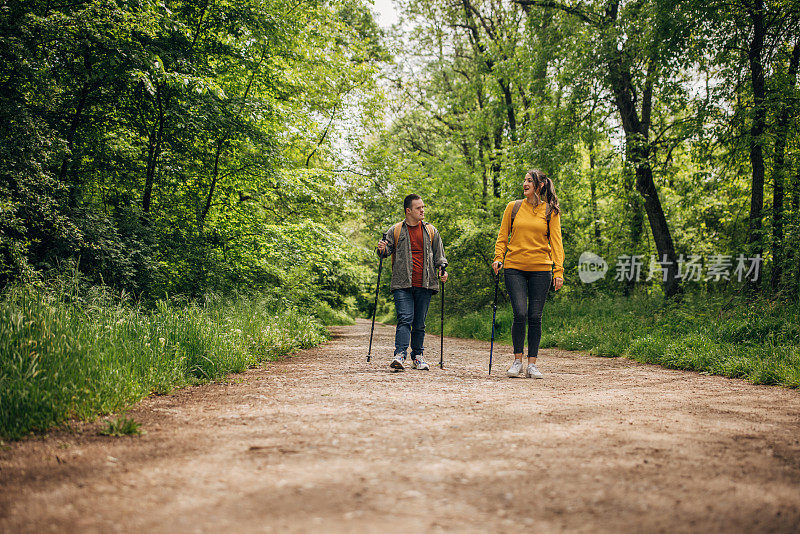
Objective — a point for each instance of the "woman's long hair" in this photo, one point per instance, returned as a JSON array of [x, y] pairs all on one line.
[[549, 196]]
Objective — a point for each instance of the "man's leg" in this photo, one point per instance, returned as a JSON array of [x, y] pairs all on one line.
[[422, 299], [404, 307]]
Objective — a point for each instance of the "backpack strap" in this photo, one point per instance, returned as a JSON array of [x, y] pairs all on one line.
[[396, 233], [517, 205], [429, 228]]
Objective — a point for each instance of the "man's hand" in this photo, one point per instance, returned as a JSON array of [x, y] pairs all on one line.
[[557, 283], [496, 266], [382, 246], [443, 276]]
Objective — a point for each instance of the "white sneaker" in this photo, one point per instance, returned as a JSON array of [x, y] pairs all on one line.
[[515, 369], [397, 363], [420, 364], [533, 372]]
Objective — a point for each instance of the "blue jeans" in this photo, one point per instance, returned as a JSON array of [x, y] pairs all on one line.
[[527, 291], [411, 305]]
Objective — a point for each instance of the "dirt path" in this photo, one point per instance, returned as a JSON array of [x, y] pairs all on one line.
[[326, 442]]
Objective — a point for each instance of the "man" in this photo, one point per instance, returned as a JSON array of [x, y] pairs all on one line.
[[417, 264]]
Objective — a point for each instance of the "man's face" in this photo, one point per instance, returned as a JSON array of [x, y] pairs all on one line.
[[417, 210]]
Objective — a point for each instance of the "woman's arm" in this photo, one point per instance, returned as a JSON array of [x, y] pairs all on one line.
[[556, 246], [501, 245]]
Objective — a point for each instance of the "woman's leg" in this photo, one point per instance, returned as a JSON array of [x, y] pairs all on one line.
[[538, 287], [517, 287]]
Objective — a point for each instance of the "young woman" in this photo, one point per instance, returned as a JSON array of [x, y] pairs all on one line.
[[532, 253]]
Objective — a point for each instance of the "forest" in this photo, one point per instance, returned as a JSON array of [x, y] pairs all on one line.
[[174, 160]]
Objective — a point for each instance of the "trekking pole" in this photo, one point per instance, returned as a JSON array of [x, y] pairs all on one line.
[[441, 337], [375, 307], [494, 315]]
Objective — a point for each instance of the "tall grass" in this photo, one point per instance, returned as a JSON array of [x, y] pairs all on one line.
[[757, 340], [66, 353]]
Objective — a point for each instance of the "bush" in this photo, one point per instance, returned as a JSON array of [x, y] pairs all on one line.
[[733, 337], [67, 354], [331, 317]]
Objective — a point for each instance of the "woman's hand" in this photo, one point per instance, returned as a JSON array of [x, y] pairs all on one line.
[[496, 266], [557, 283]]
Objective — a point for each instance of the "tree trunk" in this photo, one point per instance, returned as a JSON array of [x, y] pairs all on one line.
[[224, 139], [199, 27], [637, 144], [509, 103], [73, 130], [213, 187], [658, 224], [757, 129], [480, 50], [496, 165], [539, 80], [593, 186], [483, 144], [778, 168], [483, 168], [639, 152], [795, 287], [154, 151]]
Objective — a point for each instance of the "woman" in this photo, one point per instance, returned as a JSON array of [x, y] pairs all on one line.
[[533, 258]]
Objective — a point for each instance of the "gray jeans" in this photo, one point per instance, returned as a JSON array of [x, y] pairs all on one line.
[[527, 291]]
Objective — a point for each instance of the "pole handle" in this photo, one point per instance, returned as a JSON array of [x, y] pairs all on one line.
[[384, 253]]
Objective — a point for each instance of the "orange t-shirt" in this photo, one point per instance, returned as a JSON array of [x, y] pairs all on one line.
[[417, 254]]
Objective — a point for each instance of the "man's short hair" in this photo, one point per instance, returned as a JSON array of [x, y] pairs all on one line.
[[409, 199]]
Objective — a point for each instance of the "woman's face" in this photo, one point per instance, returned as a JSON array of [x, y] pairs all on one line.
[[530, 186]]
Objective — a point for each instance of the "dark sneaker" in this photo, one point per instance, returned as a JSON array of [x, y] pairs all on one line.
[[397, 363]]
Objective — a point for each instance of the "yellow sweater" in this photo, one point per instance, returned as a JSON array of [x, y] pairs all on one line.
[[528, 249]]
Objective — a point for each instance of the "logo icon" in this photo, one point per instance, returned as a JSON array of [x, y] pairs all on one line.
[[591, 267]]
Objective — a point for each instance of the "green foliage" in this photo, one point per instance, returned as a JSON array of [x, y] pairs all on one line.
[[73, 353], [735, 337], [159, 146], [121, 426], [498, 89], [331, 317], [174, 150]]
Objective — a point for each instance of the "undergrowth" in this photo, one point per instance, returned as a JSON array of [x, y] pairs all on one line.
[[121, 426], [67, 353], [754, 339]]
